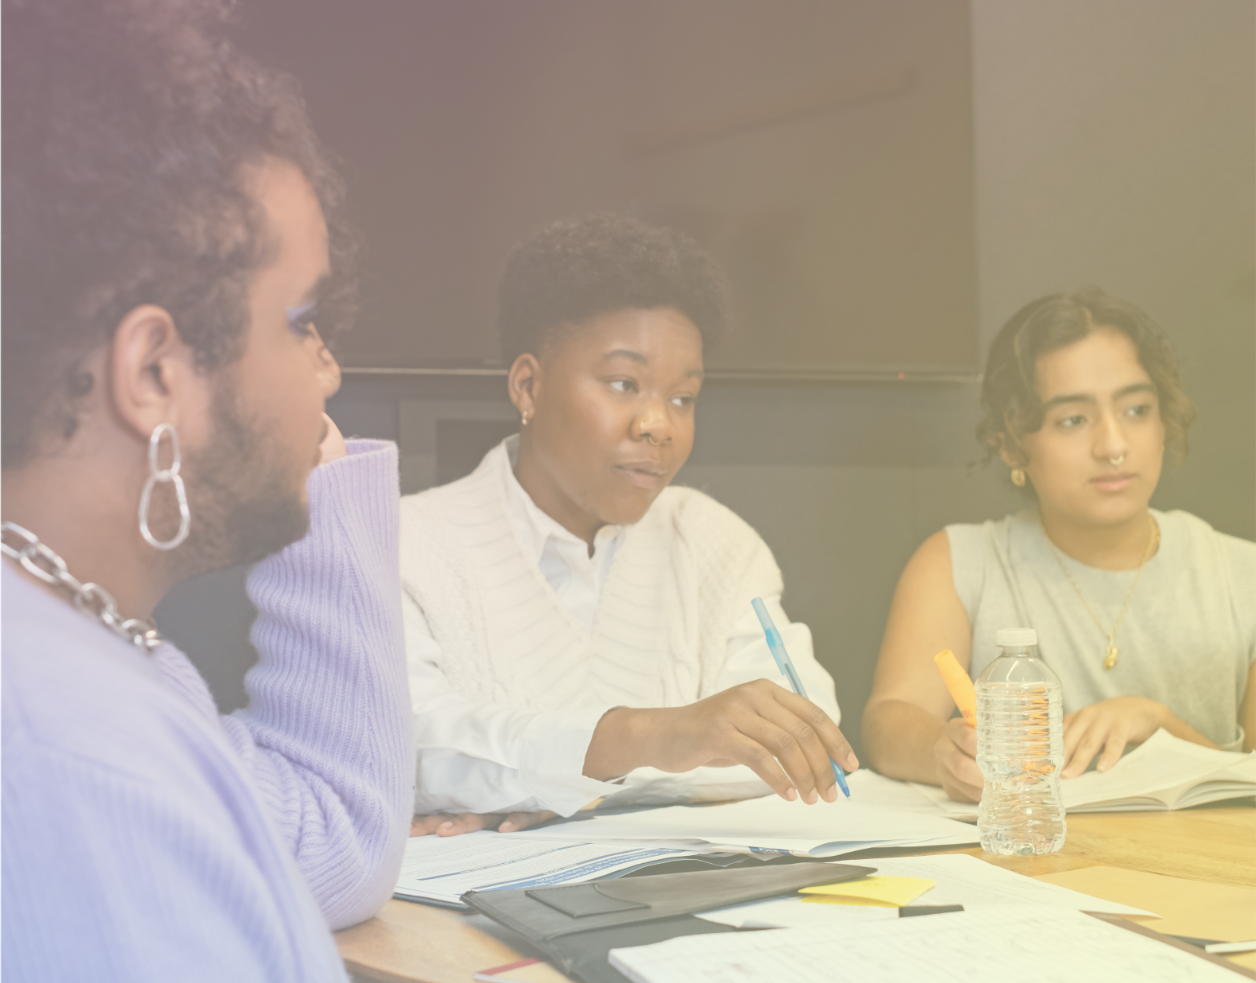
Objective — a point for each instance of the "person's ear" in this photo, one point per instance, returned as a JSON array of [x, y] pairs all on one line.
[[523, 384], [152, 372], [1010, 453]]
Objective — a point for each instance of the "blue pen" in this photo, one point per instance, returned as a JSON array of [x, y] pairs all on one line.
[[786, 665]]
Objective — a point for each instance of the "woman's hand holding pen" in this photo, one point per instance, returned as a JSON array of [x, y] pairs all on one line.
[[955, 753], [785, 739]]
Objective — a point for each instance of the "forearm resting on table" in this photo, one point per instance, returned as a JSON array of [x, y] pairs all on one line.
[[900, 737]]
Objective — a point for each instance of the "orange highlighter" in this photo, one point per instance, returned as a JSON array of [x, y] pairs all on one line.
[[958, 684]]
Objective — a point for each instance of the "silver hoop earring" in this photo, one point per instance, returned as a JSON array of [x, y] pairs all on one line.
[[158, 475]]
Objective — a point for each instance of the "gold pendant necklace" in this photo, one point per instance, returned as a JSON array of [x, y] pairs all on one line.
[[1111, 653]]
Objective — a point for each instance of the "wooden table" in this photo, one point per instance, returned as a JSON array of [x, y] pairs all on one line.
[[407, 942]]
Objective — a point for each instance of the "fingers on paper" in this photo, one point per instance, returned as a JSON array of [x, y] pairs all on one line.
[[443, 824], [522, 820], [1085, 734], [432, 825]]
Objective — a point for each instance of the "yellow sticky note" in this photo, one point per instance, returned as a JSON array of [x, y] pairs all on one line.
[[885, 892]]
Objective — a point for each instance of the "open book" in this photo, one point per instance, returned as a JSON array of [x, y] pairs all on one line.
[[1165, 772]]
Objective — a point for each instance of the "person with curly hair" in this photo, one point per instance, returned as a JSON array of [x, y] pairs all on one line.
[[173, 251], [588, 623], [1146, 616]]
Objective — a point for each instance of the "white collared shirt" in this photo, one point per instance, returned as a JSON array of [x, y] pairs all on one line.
[[562, 556], [480, 756]]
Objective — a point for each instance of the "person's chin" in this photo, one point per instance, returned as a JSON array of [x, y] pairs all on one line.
[[1108, 509], [625, 510]]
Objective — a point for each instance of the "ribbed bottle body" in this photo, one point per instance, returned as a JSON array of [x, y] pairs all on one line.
[[1020, 750]]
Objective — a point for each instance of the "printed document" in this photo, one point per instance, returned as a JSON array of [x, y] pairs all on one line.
[[443, 868], [770, 823], [991, 945]]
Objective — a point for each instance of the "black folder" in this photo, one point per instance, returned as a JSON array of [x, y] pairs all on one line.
[[576, 925]]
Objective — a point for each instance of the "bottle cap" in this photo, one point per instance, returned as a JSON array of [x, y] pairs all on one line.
[[1016, 637]]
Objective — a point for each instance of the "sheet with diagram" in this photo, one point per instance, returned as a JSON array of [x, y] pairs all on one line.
[[990, 945]]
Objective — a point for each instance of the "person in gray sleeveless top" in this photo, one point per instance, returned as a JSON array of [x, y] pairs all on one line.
[[1147, 617]]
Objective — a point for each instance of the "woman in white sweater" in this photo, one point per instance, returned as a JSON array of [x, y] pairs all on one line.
[[591, 627]]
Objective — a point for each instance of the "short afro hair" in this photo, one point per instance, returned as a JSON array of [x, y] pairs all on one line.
[[129, 126], [576, 269]]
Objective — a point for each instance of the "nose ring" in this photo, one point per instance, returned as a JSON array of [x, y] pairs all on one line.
[[1114, 461]]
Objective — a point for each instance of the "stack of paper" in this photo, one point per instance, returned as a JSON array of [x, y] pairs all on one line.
[[770, 823], [992, 945], [441, 869]]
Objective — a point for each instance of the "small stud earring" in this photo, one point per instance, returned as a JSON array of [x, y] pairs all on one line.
[[523, 420], [1018, 477]]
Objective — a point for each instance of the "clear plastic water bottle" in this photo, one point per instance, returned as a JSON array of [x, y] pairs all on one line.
[[1020, 749]]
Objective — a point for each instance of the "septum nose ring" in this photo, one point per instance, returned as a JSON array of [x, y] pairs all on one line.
[[1114, 461]]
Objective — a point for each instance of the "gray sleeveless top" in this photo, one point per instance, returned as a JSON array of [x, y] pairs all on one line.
[[1188, 637]]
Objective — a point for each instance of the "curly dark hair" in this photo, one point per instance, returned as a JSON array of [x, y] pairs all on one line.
[[575, 269], [1010, 404], [129, 126]]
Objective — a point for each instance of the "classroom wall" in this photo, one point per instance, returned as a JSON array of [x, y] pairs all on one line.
[[1114, 144]]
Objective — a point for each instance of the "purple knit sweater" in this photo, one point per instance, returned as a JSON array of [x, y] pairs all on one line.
[[145, 837]]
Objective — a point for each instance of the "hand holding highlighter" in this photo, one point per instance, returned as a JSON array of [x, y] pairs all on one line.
[[958, 685]]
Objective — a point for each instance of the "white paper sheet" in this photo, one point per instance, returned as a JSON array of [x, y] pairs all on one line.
[[961, 879], [1047, 945], [890, 793], [794, 912], [650, 787], [770, 823], [442, 868], [970, 881]]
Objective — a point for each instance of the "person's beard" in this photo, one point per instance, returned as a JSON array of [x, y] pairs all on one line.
[[243, 499]]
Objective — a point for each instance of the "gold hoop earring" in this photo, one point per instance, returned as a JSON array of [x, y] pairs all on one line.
[[1018, 477]]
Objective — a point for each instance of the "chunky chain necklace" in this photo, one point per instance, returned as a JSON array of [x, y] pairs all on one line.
[[1111, 653], [92, 599]]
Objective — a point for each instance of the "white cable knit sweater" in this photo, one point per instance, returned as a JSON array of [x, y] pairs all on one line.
[[680, 582]]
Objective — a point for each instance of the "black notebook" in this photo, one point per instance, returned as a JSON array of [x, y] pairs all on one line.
[[576, 925]]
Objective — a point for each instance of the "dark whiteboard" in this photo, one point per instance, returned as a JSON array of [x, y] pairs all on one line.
[[821, 148]]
